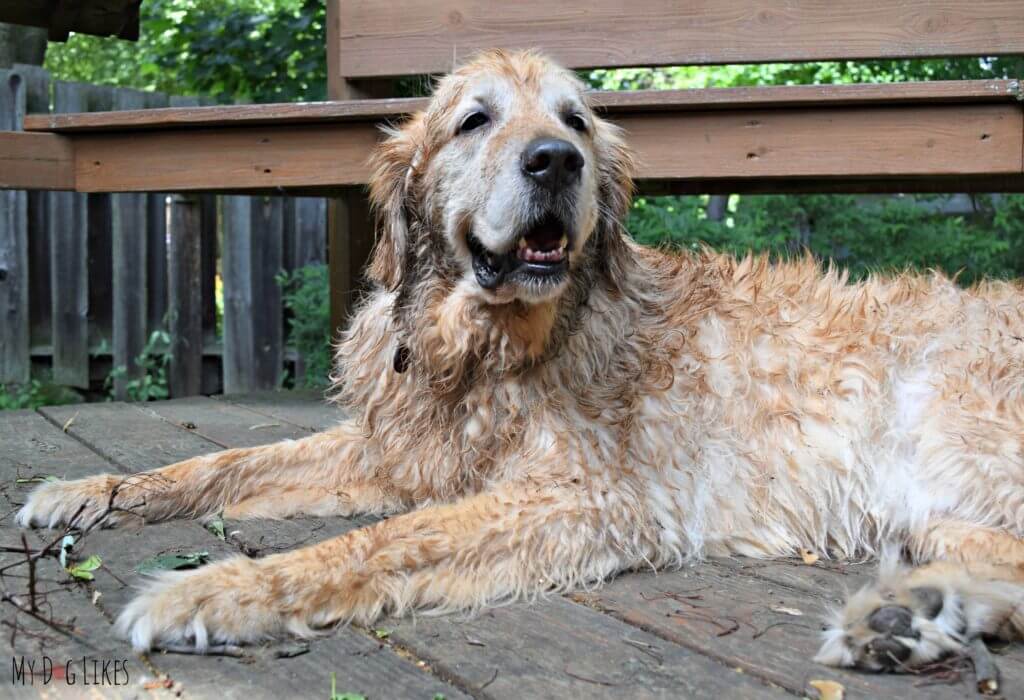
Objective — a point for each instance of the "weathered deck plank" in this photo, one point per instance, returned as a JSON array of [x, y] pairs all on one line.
[[224, 423], [306, 409], [560, 649]]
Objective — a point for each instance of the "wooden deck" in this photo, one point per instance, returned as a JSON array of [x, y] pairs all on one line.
[[725, 629]]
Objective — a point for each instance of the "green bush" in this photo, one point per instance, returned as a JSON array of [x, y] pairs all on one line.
[[862, 235], [34, 394], [154, 361], [306, 296]]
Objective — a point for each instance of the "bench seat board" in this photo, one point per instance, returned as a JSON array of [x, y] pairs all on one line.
[[607, 102], [408, 37]]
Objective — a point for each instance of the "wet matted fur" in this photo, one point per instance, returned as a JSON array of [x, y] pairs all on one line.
[[540, 403]]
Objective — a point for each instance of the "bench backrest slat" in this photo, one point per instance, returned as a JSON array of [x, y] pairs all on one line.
[[375, 38]]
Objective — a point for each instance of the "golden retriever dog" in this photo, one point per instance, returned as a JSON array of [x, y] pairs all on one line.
[[540, 403]]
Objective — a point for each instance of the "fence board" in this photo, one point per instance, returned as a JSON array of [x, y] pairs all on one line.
[[129, 260], [185, 321], [236, 267], [305, 232], [253, 347], [208, 206], [37, 100], [14, 313], [67, 225]]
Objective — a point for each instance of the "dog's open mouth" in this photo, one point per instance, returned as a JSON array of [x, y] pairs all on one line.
[[541, 253]]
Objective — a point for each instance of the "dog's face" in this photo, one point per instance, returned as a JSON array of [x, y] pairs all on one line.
[[510, 165]]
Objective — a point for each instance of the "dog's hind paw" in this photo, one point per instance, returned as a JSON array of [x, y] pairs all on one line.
[[911, 618]]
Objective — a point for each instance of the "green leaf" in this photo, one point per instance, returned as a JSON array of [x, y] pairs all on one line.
[[173, 562], [83, 569], [216, 526], [382, 633]]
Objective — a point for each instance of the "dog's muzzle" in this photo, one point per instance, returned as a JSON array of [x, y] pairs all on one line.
[[540, 254]]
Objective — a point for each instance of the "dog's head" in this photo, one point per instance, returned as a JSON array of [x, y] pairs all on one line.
[[503, 185]]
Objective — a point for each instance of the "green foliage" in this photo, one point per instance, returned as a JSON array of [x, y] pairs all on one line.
[[245, 50], [154, 360], [816, 73], [36, 393], [306, 295], [862, 234]]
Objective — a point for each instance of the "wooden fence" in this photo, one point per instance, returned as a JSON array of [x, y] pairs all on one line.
[[85, 280]]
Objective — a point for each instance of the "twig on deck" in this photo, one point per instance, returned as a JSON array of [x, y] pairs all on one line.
[[215, 650]]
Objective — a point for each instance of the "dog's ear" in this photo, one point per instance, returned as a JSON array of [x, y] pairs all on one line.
[[616, 168], [394, 163]]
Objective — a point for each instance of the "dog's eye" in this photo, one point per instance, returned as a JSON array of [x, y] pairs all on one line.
[[575, 121], [473, 121]]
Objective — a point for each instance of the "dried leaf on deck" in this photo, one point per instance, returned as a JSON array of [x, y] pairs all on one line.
[[808, 556]]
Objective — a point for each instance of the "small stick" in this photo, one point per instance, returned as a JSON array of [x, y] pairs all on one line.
[[985, 670]]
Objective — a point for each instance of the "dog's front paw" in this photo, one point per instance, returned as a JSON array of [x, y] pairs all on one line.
[[81, 503], [229, 602], [910, 618]]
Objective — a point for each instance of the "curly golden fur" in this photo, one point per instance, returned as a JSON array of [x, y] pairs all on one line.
[[627, 408]]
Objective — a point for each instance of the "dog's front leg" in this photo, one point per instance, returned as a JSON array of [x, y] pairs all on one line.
[[329, 473], [493, 545]]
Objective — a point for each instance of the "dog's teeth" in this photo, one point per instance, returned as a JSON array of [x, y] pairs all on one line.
[[563, 242], [522, 243]]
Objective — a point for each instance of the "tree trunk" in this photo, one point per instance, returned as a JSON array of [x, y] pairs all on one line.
[[718, 205]]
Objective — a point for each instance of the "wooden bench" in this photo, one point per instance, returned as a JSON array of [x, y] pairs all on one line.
[[938, 136]]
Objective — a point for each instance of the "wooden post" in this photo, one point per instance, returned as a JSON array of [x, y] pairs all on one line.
[[349, 242], [68, 226], [156, 243], [14, 306], [129, 232], [184, 256]]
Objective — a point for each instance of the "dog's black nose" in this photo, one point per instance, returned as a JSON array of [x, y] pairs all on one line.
[[552, 163]]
